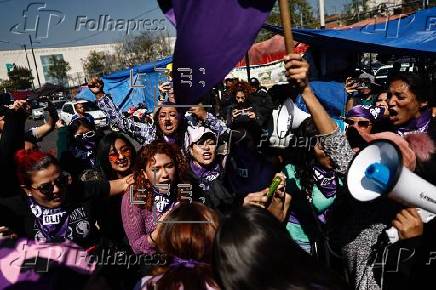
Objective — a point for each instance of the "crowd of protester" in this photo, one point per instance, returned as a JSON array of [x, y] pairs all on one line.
[[192, 208]]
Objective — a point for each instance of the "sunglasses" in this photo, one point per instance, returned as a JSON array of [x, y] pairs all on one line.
[[360, 124], [86, 135], [48, 188], [125, 152]]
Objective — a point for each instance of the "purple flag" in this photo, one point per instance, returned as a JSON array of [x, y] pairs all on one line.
[[212, 36]]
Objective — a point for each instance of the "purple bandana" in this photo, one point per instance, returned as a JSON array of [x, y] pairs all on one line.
[[419, 124], [51, 223], [205, 175], [369, 112], [325, 180], [188, 263]]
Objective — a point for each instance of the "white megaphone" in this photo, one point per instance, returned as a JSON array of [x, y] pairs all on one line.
[[378, 171], [287, 116]]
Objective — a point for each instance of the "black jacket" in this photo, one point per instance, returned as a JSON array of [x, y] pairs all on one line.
[[409, 263]]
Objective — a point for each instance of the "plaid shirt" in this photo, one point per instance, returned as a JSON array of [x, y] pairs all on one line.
[[143, 133], [215, 124]]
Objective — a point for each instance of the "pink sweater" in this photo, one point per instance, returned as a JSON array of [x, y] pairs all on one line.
[[138, 223]]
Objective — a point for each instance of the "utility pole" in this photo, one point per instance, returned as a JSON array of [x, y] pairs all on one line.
[[34, 60], [301, 18], [321, 14], [425, 4], [27, 59], [247, 65], [28, 63]]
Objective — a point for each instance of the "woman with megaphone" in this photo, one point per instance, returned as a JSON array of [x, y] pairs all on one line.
[[362, 225], [405, 261]]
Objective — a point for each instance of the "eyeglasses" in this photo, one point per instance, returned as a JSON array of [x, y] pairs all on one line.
[[360, 124], [125, 152], [47, 188], [86, 135]]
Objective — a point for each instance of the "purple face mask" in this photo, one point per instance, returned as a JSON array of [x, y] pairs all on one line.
[[84, 149]]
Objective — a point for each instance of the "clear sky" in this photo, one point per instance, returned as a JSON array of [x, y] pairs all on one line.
[[81, 22], [76, 22]]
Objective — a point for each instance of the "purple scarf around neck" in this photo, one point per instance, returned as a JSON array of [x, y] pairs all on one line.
[[51, 223], [206, 175], [419, 124], [325, 180]]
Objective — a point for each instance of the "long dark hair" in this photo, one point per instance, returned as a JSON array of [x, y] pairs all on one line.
[[241, 86], [187, 241], [181, 128], [253, 250], [103, 149], [74, 126], [415, 82], [304, 157]]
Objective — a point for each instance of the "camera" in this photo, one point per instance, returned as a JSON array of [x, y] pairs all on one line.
[[244, 112]]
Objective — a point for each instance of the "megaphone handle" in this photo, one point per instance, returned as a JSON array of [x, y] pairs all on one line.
[[392, 232], [393, 235]]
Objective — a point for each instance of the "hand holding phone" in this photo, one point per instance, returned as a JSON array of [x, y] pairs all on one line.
[[236, 113]]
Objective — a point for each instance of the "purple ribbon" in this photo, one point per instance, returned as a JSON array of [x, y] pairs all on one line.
[[188, 263]]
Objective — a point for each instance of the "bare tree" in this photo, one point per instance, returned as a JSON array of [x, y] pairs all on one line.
[[134, 50]]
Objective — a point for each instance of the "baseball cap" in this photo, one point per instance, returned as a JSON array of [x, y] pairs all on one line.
[[195, 133], [366, 81]]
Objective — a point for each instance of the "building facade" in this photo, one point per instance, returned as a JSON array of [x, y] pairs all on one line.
[[385, 6], [73, 55]]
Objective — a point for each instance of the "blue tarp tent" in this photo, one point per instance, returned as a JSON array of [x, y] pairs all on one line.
[[331, 94], [414, 34], [119, 85]]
